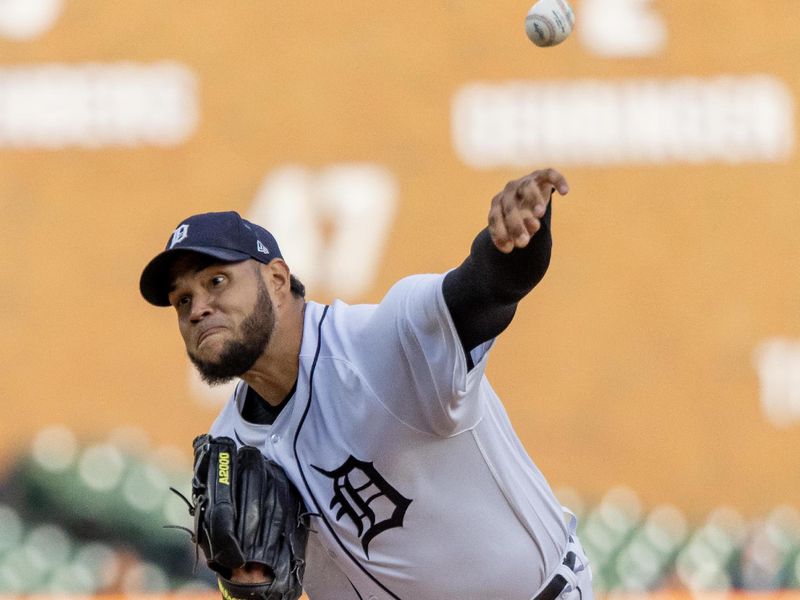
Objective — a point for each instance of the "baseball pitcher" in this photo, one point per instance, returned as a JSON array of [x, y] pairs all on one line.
[[364, 454]]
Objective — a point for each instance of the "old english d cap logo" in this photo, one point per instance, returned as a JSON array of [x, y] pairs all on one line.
[[223, 235]]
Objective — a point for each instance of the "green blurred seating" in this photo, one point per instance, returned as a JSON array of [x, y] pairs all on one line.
[[10, 529], [645, 562], [105, 490]]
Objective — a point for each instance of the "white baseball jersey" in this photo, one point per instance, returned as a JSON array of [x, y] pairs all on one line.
[[422, 489]]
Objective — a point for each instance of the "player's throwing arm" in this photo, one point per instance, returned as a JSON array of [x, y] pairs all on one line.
[[515, 212]]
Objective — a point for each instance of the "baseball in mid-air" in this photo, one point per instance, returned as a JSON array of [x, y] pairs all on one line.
[[549, 22]]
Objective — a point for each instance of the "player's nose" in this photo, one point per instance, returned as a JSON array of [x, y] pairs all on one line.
[[201, 307]]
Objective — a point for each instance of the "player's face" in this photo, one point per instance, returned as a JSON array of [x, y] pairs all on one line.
[[225, 316]]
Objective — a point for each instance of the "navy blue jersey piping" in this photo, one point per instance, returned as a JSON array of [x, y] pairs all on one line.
[[320, 509], [360, 597]]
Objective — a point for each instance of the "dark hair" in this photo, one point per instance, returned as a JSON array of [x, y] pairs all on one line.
[[296, 287]]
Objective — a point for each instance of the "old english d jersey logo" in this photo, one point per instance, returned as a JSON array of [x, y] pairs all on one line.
[[365, 498]]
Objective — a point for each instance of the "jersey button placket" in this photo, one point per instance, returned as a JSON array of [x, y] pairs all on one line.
[[274, 438]]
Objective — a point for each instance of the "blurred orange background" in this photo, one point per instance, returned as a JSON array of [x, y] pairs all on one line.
[[641, 358]]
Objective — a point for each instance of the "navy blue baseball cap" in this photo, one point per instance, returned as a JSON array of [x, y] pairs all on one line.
[[223, 235]]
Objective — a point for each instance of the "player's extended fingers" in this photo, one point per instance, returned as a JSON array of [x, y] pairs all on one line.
[[530, 221], [530, 195], [532, 225], [497, 227], [514, 215], [554, 178]]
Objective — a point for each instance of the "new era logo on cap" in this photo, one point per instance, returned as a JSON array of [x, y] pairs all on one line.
[[261, 247]]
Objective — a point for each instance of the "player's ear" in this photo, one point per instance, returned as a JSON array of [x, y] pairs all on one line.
[[276, 277]]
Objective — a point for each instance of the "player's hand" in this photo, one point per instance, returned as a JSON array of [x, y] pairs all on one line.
[[250, 573], [516, 211]]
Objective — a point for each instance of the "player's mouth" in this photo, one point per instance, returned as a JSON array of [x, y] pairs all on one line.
[[208, 333]]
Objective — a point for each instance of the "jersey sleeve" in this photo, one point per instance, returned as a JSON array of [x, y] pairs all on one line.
[[412, 357]]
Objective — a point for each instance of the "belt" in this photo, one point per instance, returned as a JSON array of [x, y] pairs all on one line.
[[557, 584]]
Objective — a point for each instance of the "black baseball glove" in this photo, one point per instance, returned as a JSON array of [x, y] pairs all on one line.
[[247, 513]]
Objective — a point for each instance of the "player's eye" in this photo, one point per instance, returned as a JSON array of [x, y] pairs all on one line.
[[184, 300], [217, 280]]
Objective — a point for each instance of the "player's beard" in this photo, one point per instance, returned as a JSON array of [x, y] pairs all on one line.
[[239, 355]]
